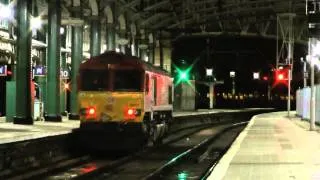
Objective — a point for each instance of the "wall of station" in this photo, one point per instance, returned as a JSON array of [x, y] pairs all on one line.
[[166, 58], [303, 103]]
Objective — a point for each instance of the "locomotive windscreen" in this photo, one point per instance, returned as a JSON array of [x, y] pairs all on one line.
[[94, 80], [127, 80]]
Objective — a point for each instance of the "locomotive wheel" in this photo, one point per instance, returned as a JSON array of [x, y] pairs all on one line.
[[156, 141]]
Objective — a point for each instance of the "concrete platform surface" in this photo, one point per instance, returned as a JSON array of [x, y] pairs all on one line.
[[10, 132], [272, 147]]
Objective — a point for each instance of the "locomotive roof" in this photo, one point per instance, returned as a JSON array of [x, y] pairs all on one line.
[[112, 57]]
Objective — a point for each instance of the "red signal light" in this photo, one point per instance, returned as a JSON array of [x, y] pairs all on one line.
[[265, 78], [280, 77], [281, 74]]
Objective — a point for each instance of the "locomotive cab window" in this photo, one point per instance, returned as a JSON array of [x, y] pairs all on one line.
[[170, 94], [94, 80], [147, 83], [127, 80]]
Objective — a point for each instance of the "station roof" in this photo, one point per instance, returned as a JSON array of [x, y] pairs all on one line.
[[203, 17], [233, 17]]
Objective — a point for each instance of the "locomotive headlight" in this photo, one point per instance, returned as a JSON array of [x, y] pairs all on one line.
[[130, 112], [91, 111]]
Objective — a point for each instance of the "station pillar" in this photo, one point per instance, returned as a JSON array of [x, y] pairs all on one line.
[[62, 86], [95, 36], [111, 37], [23, 113], [122, 41], [76, 58], [151, 53], [143, 52], [42, 79], [211, 95], [143, 45], [63, 92], [136, 48], [53, 74], [161, 50], [151, 48], [128, 45]]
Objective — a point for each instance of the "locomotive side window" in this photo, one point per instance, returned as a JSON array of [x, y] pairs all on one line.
[[94, 80], [127, 80], [147, 83], [154, 79], [170, 94]]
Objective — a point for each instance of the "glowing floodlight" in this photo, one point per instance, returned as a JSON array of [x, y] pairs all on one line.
[[36, 22]]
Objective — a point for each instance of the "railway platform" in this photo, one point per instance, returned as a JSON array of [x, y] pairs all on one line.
[[10, 132], [24, 148], [271, 147]]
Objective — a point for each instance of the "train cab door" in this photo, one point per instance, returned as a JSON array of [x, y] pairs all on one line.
[[153, 91], [153, 95]]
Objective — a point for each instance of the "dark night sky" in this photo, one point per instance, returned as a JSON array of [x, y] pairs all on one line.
[[242, 54]]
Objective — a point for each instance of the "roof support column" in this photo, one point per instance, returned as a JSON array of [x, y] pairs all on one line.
[[132, 35], [95, 37], [143, 53], [151, 49], [76, 58], [53, 76], [128, 45], [42, 79], [122, 41], [143, 45], [161, 50], [136, 46], [63, 65], [23, 78], [151, 53], [111, 37]]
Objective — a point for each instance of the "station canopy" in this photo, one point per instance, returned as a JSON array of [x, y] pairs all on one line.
[[177, 18]]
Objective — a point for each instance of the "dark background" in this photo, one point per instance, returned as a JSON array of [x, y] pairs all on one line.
[[244, 55]]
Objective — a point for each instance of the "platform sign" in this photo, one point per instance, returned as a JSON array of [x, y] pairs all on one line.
[[40, 71], [64, 73], [3, 70], [4, 24], [313, 14], [313, 6]]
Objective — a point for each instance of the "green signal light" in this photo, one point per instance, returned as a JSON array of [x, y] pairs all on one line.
[[182, 176], [184, 76]]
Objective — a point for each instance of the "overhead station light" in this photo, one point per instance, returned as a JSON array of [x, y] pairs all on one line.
[[209, 72], [232, 74], [256, 75], [36, 22], [6, 12], [61, 30]]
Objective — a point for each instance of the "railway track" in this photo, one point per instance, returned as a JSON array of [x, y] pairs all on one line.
[[189, 151], [196, 162], [98, 164]]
